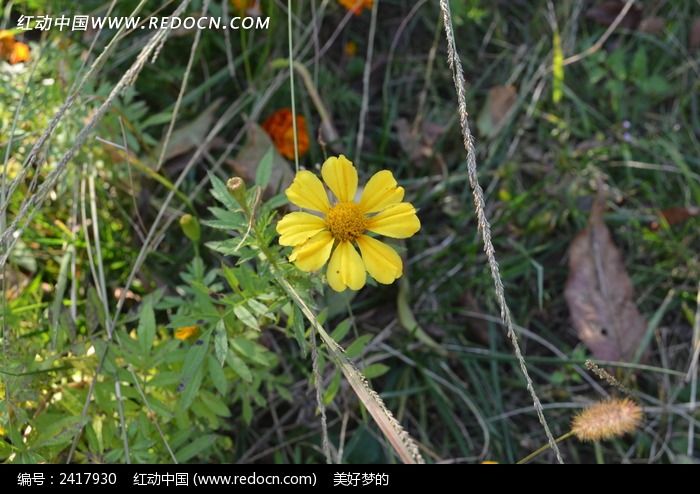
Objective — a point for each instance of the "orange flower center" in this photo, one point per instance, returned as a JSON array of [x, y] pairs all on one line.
[[346, 221]]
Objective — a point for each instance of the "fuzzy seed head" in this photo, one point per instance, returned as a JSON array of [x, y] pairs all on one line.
[[607, 419]]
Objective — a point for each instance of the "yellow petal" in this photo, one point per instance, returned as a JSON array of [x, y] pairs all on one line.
[[346, 269], [382, 261], [313, 254], [381, 191], [396, 221], [341, 177], [297, 227], [307, 192]]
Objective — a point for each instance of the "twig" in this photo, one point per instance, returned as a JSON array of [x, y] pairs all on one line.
[[318, 385], [365, 84], [694, 378], [291, 84], [601, 41]]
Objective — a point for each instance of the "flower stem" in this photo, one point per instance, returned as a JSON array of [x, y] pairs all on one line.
[[544, 448]]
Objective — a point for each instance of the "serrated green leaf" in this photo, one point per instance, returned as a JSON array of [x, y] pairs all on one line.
[[229, 247], [221, 193]]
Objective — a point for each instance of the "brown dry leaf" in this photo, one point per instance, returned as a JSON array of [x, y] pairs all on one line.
[[191, 135], [694, 38], [676, 215], [418, 145], [245, 164], [653, 25], [499, 103], [605, 13], [15, 282], [600, 294], [477, 329]]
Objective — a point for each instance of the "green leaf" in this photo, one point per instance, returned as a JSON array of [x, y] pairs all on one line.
[[357, 346], [195, 356], [239, 367], [299, 329], [259, 308], [215, 404], [225, 219], [228, 247], [341, 330], [216, 373], [251, 351], [221, 342], [246, 317], [147, 326], [264, 171], [247, 411], [157, 119], [195, 447], [332, 388], [221, 193], [375, 370], [654, 85], [639, 69], [192, 384]]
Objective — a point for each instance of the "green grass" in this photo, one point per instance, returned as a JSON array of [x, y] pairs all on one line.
[[627, 115]]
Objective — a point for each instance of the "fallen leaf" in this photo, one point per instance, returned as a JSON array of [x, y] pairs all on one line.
[[600, 294], [676, 215], [477, 329], [15, 282], [418, 144], [694, 38], [652, 25], [192, 134], [246, 162], [605, 13], [493, 115]]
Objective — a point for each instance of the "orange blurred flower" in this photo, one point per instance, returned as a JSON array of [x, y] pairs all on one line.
[[350, 49], [11, 50], [280, 129], [6, 42], [186, 332], [250, 7], [20, 53], [356, 6]]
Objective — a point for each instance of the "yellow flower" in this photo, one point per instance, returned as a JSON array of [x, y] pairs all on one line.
[[345, 223], [186, 332]]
